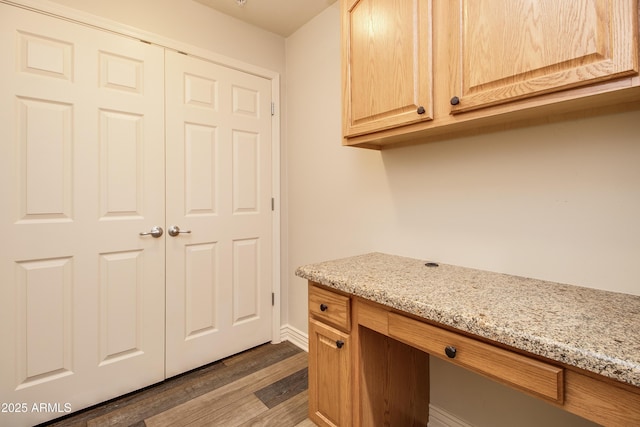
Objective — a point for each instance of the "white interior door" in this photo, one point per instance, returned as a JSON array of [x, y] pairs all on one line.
[[81, 175], [218, 129]]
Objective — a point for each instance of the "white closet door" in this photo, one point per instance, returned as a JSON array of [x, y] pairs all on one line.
[[81, 175], [218, 127]]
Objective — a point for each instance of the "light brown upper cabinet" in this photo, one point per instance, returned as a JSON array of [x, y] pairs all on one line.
[[514, 49], [481, 64], [387, 56]]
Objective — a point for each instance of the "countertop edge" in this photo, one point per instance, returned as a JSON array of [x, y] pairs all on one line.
[[582, 358]]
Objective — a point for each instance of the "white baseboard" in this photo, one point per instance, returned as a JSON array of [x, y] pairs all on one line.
[[295, 336], [438, 417]]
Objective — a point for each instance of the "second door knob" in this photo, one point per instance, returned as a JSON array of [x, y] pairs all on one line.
[[174, 230]]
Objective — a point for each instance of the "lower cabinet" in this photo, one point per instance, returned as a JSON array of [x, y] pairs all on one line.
[[329, 375], [358, 376], [369, 366], [330, 356]]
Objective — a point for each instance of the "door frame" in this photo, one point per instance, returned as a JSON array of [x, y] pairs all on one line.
[[83, 18]]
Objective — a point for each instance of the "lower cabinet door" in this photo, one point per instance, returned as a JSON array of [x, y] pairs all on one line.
[[329, 375]]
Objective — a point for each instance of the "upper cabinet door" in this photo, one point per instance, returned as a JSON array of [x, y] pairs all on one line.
[[515, 49], [387, 55]]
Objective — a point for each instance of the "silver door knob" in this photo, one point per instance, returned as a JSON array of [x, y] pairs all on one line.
[[174, 230], [155, 232]]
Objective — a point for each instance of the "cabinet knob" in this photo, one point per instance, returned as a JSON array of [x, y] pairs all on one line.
[[455, 100], [323, 307], [450, 351], [421, 110], [339, 343]]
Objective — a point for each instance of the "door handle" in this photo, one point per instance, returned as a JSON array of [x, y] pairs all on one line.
[[155, 232], [174, 230]]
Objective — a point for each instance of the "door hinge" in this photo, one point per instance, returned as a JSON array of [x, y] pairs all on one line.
[[273, 299], [273, 108], [273, 204]]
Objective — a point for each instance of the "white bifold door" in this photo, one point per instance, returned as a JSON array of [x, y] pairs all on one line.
[[218, 178], [135, 214], [81, 175]]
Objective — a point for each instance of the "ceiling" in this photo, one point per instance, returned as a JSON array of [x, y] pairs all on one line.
[[282, 17]]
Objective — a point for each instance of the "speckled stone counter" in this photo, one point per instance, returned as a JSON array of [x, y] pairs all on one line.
[[595, 330]]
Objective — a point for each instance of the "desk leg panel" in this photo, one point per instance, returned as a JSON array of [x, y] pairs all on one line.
[[393, 382]]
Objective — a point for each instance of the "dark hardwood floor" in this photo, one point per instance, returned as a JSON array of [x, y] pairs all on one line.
[[264, 386]]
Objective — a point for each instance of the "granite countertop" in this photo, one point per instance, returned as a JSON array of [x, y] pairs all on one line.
[[595, 330]]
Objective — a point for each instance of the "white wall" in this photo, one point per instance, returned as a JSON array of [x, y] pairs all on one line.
[[559, 202]]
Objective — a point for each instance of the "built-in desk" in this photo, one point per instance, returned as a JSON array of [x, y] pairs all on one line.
[[375, 319]]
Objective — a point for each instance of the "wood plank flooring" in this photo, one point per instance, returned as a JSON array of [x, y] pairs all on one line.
[[264, 386]]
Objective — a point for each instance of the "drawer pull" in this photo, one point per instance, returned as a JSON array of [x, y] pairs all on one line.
[[324, 307], [450, 351], [339, 343]]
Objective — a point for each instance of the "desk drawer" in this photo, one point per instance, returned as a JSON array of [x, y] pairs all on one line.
[[330, 308], [519, 371]]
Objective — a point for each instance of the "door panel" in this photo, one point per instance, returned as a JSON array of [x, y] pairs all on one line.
[[44, 348], [219, 189], [81, 175], [120, 300], [200, 289]]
